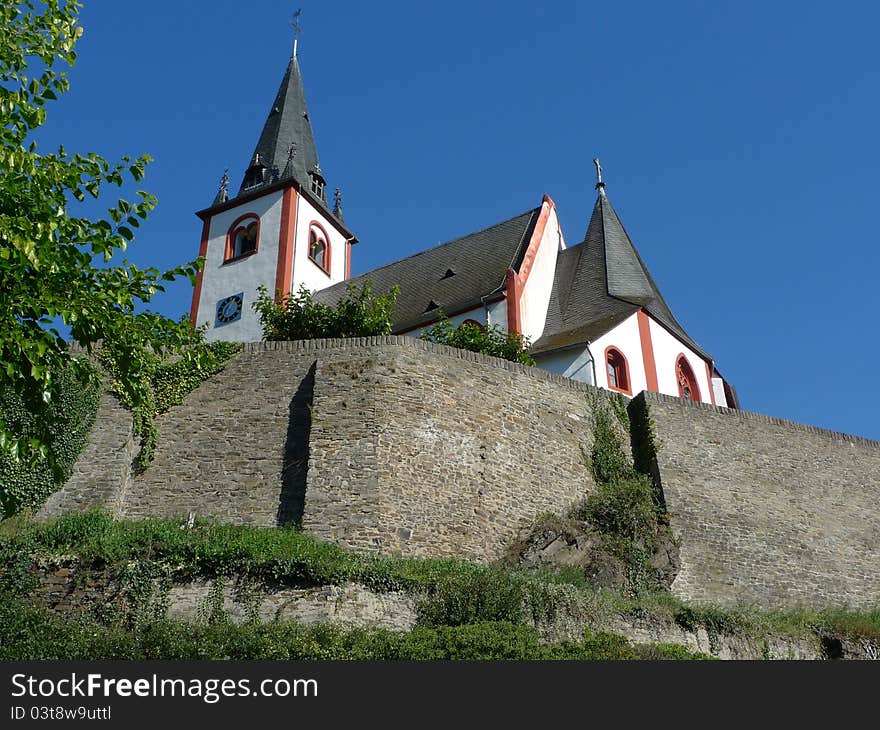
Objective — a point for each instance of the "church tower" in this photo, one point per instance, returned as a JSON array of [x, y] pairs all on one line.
[[278, 231]]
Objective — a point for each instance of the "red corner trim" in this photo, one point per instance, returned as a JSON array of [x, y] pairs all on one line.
[[709, 380], [197, 289], [528, 261], [347, 260], [648, 351], [514, 297], [284, 272]]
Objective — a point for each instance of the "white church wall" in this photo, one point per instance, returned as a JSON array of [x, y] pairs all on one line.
[[718, 390], [667, 348], [536, 293], [221, 280], [497, 315], [624, 337], [574, 363], [306, 271]]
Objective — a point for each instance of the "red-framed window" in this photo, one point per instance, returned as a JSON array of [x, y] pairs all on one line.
[[687, 381], [319, 247], [617, 369], [243, 238]]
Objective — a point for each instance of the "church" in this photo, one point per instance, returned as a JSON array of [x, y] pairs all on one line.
[[591, 311]]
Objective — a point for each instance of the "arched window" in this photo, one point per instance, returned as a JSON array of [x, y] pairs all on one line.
[[618, 371], [687, 382], [319, 248], [473, 323], [243, 238]]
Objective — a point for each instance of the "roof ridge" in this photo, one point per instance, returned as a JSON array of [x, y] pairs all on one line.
[[445, 243]]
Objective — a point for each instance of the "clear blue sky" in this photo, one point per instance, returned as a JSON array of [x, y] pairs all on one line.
[[739, 142]]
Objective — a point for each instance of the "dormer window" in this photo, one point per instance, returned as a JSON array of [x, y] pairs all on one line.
[[319, 248], [618, 371], [318, 187], [317, 182], [243, 238], [255, 174], [687, 382]]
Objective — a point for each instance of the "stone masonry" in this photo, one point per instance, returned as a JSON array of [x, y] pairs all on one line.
[[384, 443], [405, 447], [102, 473], [768, 512]]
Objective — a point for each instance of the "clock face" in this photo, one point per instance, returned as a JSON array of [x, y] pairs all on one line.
[[229, 309]]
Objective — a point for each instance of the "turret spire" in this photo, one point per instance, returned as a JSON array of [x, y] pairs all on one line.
[[223, 192], [287, 124], [337, 204]]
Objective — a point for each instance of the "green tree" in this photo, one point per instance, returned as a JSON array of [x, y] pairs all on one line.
[[488, 340], [299, 317], [57, 264]]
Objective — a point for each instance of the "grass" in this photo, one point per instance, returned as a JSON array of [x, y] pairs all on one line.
[[451, 592], [29, 632]]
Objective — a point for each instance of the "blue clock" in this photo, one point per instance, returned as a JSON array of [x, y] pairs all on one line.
[[229, 309]]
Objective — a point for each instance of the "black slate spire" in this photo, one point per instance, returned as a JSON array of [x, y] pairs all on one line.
[[601, 282], [287, 126]]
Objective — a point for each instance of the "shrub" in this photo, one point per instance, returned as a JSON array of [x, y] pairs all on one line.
[[491, 341], [28, 632], [624, 508], [473, 596], [299, 317]]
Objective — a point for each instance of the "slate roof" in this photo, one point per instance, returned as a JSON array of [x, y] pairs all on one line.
[[478, 264], [601, 282], [288, 123]]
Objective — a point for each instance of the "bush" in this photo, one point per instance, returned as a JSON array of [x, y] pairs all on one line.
[[624, 508], [25, 485], [299, 317], [491, 341], [474, 596], [30, 633]]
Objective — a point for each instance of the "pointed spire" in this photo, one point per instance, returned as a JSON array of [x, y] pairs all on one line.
[[337, 205], [288, 124], [223, 192], [626, 275], [610, 253]]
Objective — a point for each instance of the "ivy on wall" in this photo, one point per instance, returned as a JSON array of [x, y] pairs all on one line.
[[624, 508], [166, 384], [25, 485]]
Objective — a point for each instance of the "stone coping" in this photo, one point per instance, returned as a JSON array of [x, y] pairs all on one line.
[[407, 342], [760, 417]]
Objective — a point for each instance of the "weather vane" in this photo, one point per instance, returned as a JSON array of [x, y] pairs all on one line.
[[296, 29]]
